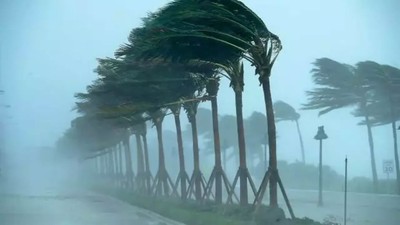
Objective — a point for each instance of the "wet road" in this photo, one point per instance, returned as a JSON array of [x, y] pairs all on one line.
[[72, 209], [32, 204], [56, 197], [58, 206], [363, 209]]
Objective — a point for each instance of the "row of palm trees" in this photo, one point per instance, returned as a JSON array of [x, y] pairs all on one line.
[[175, 60], [256, 135], [372, 89]]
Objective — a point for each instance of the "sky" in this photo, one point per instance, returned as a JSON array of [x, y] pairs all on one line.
[[48, 51]]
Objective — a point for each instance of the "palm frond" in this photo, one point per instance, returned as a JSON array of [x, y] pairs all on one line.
[[284, 111]]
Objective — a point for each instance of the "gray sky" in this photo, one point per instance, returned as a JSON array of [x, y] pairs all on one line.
[[48, 51]]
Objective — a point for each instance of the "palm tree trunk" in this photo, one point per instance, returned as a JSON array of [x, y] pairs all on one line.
[[196, 158], [111, 158], [181, 154], [224, 157], [212, 88], [128, 162], [217, 150], [303, 157], [394, 131], [273, 164], [140, 165], [96, 165], [161, 157], [242, 149], [162, 172], [372, 153], [108, 163], [265, 157], [120, 171], [146, 163], [103, 165], [396, 155], [115, 152]]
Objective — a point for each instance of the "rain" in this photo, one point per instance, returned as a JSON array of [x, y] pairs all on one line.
[[199, 112]]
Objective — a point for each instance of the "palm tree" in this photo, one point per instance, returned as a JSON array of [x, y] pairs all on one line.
[[128, 159], [165, 85], [228, 137], [162, 181], [196, 180], [119, 85], [102, 95], [141, 173], [238, 32], [97, 138], [384, 81], [235, 73], [233, 70], [218, 173], [204, 118], [285, 112], [185, 89], [256, 137], [341, 85], [183, 177], [148, 176], [206, 69]]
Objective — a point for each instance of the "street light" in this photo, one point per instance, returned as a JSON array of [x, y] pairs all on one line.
[[320, 136]]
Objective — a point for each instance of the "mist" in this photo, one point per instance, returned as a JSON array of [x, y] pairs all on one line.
[[49, 50]]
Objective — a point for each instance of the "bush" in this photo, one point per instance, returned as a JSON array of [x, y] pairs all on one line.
[[267, 215]]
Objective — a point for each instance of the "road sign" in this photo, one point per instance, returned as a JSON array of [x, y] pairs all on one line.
[[388, 166]]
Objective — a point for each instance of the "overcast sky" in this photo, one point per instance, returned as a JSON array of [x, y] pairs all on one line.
[[48, 51]]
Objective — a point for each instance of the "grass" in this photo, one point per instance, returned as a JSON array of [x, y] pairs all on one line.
[[194, 213], [189, 213]]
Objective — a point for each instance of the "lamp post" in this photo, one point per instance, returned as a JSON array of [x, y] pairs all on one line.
[[397, 170], [320, 136]]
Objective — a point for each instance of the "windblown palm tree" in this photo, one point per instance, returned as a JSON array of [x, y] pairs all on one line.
[[183, 177], [238, 32], [285, 112], [196, 180], [123, 84], [384, 81], [256, 137], [341, 85], [228, 137]]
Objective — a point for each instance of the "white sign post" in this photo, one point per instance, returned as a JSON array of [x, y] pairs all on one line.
[[388, 167]]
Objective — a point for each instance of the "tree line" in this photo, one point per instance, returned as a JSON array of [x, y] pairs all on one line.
[[174, 61]]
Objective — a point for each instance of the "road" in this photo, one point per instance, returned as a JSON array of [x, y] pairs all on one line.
[[55, 206], [53, 198], [363, 209], [59, 206], [72, 209]]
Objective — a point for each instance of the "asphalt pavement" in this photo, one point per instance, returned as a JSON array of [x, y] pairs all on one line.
[[363, 209], [54, 205], [56, 198]]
